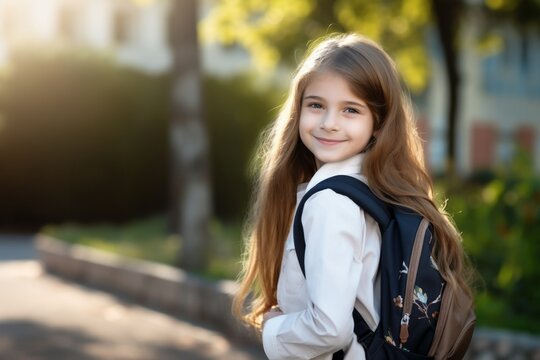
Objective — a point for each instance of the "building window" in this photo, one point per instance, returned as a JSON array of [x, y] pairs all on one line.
[[512, 71]]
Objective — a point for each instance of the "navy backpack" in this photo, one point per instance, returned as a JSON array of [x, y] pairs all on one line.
[[420, 318]]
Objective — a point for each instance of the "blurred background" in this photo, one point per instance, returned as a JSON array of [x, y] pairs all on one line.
[[129, 125]]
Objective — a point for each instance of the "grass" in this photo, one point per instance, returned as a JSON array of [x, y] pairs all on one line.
[[148, 239]]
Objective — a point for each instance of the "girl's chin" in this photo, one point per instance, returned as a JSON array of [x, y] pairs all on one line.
[[327, 160]]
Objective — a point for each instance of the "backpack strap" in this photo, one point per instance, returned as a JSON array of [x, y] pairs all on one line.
[[362, 195], [348, 186]]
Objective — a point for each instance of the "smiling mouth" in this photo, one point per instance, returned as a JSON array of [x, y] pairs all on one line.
[[328, 141]]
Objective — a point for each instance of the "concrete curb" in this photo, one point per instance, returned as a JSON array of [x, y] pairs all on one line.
[[494, 344], [180, 293], [164, 287]]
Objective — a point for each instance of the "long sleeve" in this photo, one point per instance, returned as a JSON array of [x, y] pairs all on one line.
[[335, 231]]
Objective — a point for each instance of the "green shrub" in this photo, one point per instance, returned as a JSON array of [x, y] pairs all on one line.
[[236, 111], [81, 138], [84, 138], [500, 223]]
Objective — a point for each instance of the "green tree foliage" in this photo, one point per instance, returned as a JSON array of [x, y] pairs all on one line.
[[274, 31]]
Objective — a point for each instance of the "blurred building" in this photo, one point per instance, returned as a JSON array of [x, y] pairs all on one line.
[[499, 103], [133, 30], [500, 90]]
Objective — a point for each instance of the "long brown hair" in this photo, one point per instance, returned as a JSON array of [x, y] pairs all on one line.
[[394, 167]]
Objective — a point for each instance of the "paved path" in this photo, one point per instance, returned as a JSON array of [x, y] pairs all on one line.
[[44, 317]]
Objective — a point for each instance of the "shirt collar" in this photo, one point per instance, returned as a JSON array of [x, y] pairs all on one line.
[[350, 166]]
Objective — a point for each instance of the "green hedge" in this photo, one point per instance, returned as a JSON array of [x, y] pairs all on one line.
[[81, 138], [236, 111]]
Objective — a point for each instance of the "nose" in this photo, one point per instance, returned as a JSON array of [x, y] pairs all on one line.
[[329, 121]]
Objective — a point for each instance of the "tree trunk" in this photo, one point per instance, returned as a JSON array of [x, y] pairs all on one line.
[[446, 14], [190, 176]]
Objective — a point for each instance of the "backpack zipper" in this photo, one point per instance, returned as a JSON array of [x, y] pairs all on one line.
[[404, 328], [411, 278]]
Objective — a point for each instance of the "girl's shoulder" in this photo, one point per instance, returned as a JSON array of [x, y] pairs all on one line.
[[329, 203]]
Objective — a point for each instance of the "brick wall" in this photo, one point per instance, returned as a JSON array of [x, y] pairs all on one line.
[[487, 139], [483, 146]]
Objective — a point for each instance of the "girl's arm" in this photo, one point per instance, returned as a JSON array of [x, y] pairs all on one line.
[[274, 311], [335, 231]]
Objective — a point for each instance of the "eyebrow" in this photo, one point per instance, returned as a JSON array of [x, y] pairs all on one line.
[[315, 97]]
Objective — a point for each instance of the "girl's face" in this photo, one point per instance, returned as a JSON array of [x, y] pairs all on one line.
[[334, 123]]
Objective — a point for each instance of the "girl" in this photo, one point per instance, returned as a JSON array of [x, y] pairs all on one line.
[[346, 114]]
